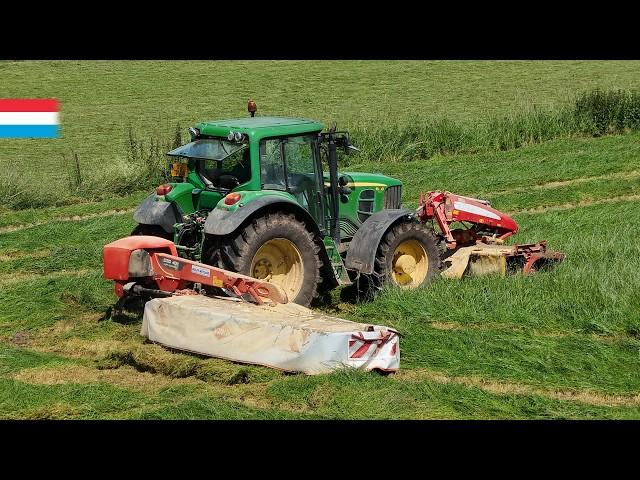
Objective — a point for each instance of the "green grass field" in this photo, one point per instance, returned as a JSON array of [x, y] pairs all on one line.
[[102, 99], [560, 344]]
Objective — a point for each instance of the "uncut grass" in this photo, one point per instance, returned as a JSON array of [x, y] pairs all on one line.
[[57, 299], [396, 110], [592, 291], [72, 245], [100, 98], [564, 363], [14, 359], [22, 401], [556, 160], [204, 407]]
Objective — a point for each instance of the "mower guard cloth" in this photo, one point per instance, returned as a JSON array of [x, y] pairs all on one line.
[[477, 260], [285, 336]]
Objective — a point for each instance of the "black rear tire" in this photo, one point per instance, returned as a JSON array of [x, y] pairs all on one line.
[[153, 230], [300, 275]]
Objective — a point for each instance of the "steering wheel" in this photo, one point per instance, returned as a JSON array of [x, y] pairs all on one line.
[[228, 181], [299, 183]]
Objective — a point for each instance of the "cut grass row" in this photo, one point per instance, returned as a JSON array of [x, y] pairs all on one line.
[[597, 276], [529, 342], [29, 249], [16, 218], [577, 193], [495, 176], [340, 395]]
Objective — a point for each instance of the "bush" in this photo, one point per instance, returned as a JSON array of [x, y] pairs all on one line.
[[600, 113], [18, 193], [143, 166]]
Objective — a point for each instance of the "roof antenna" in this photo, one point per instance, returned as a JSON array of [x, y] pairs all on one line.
[[252, 108]]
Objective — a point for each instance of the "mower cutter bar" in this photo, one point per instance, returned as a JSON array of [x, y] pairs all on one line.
[[536, 255], [170, 268], [144, 264]]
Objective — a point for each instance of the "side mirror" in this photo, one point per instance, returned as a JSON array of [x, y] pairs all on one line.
[[350, 149], [342, 184]]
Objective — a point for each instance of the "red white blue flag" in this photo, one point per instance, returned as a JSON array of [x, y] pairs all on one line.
[[29, 118]]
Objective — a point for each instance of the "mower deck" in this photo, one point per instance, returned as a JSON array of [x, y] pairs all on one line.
[[485, 259], [288, 336]]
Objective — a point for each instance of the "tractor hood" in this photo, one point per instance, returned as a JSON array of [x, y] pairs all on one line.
[[362, 179], [372, 179]]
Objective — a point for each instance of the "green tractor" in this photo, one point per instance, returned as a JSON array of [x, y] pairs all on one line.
[[263, 196]]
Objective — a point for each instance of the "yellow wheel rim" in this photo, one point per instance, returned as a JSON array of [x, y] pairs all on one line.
[[279, 261], [410, 264]]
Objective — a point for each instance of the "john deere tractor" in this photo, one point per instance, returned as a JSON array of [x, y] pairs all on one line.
[[263, 196]]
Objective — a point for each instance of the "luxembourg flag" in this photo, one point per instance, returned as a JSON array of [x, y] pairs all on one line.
[[29, 118]]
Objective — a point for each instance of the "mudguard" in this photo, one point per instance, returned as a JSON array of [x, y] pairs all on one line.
[[362, 248], [224, 222], [164, 214]]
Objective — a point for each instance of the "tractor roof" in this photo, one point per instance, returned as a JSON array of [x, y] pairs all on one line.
[[259, 127]]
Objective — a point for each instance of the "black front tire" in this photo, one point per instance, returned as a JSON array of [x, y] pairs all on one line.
[[417, 237]]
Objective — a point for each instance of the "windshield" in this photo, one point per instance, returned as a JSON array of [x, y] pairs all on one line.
[[208, 149]]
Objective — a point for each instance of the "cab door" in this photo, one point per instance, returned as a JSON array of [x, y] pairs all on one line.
[[293, 164], [304, 179]]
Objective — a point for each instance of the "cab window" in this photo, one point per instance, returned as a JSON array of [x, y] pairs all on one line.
[[290, 164], [228, 173], [272, 165], [301, 176]]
